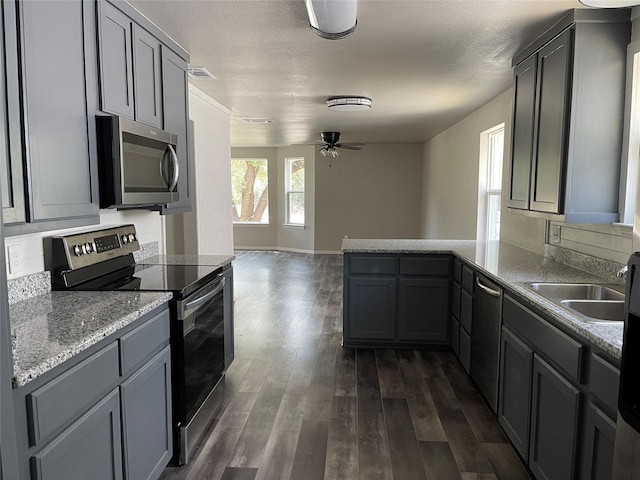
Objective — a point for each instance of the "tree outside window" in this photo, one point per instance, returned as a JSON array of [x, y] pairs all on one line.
[[294, 185], [250, 190]]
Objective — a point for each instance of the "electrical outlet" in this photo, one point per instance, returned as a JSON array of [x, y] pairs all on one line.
[[14, 252]]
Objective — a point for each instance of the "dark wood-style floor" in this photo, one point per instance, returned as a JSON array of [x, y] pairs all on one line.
[[301, 407]]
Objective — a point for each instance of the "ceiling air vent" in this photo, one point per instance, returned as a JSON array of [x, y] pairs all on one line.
[[201, 73]]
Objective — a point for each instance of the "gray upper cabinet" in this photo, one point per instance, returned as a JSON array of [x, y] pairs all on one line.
[[524, 84], [116, 63], [11, 167], [146, 77], [176, 117], [59, 131], [143, 76], [567, 119]]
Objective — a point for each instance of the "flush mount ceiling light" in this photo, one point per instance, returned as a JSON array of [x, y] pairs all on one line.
[[348, 104], [610, 3], [332, 19]]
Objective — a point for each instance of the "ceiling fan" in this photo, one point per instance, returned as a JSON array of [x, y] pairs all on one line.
[[330, 144]]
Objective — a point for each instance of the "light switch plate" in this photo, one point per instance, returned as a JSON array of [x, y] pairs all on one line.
[[14, 252]]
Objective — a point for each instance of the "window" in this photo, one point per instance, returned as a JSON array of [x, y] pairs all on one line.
[[250, 190], [294, 191], [490, 183]]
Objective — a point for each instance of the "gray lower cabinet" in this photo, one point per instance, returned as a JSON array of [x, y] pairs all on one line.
[[175, 88], [371, 308], [600, 435], [514, 396], [146, 419], [89, 448], [105, 413], [464, 353], [229, 325], [423, 313], [555, 410]]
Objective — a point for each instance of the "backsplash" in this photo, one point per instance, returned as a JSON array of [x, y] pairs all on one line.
[[586, 263]]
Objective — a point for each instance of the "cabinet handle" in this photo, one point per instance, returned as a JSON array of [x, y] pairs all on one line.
[[490, 291]]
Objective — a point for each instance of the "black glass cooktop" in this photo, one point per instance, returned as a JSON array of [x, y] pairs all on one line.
[[182, 280]]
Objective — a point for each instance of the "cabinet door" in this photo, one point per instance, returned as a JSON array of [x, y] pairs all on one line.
[[60, 135], [146, 76], [175, 89], [600, 433], [455, 336], [371, 308], [514, 396], [228, 317], [11, 169], [555, 410], [423, 311], [465, 349], [146, 419], [523, 131], [116, 63], [90, 448], [554, 90]]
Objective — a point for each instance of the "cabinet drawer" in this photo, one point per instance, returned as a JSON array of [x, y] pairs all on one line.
[[139, 345], [378, 264], [58, 402], [424, 265], [550, 341], [604, 380], [467, 278], [457, 270]]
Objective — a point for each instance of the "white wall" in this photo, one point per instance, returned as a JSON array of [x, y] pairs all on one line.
[[149, 225], [207, 230], [371, 193], [450, 181]]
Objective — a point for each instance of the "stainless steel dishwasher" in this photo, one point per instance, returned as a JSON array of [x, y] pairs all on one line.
[[485, 338]]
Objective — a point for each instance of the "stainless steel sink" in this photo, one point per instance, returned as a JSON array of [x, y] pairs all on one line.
[[597, 310], [576, 291], [592, 302]]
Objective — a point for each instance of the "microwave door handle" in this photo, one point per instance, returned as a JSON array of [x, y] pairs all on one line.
[[176, 168], [162, 160]]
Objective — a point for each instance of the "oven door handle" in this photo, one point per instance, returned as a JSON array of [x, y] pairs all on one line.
[[187, 308]]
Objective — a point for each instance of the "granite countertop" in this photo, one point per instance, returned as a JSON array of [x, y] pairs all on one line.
[[221, 260], [50, 328], [511, 267]]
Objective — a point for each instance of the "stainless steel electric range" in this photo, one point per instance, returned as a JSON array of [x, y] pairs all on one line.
[[103, 260]]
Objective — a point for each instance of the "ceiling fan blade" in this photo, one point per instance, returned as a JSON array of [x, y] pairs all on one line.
[[348, 146]]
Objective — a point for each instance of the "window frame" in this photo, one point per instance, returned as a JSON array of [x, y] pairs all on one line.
[[288, 191], [485, 189]]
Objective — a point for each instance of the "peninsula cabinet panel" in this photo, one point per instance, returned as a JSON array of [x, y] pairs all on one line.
[[424, 310], [555, 411], [90, 448], [58, 75], [372, 307], [116, 62]]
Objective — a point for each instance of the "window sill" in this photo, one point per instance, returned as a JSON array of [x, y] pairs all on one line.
[[294, 226], [250, 224]]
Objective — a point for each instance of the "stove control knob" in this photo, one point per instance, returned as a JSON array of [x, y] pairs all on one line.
[[88, 247], [77, 250], [132, 238], [83, 247], [125, 239]]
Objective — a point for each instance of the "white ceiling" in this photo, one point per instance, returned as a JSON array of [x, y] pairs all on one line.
[[426, 64]]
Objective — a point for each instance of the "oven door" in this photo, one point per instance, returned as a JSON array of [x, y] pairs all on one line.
[[198, 363]]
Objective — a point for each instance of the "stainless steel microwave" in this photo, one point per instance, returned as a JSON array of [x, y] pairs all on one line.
[[138, 164]]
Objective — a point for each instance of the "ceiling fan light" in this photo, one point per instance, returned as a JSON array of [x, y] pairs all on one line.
[[332, 19], [349, 104], [610, 3]]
